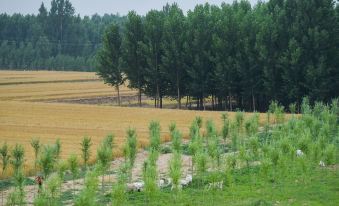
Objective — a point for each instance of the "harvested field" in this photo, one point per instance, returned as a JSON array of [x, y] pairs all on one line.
[[30, 110]]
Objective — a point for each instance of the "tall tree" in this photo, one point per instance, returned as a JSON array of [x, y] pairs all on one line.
[[154, 77], [174, 53], [133, 55], [109, 59]]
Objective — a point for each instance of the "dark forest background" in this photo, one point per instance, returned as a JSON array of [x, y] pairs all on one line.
[[238, 55]]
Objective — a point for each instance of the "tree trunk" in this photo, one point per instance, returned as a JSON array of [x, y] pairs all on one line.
[[186, 101], [178, 91], [230, 100], [157, 95], [161, 101], [119, 100], [139, 97], [253, 101]]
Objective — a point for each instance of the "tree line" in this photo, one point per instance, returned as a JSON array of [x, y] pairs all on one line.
[[55, 39], [234, 55]]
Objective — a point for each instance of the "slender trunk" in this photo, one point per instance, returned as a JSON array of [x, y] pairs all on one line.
[[212, 102], [157, 95], [253, 101], [161, 101], [190, 102], [203, 103], [178, 91], [118, 90], [186, 101], [155, 102], [230, 100], [139, 97]]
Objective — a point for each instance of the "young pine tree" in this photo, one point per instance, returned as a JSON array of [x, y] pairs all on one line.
[[18, 158], [47, 160], [36, 145], [73, 165], [85, 150]]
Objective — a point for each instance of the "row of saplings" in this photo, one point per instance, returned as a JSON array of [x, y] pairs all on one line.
[[280, 149]]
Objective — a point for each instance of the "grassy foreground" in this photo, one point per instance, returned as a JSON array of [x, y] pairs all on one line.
[[320, 188]]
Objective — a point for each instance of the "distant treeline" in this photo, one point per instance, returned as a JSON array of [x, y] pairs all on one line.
[[235, 54], [52, 40]]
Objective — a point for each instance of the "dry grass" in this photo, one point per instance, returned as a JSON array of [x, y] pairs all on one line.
[[22, 117]]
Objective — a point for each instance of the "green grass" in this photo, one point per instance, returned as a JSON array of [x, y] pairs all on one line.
[[320, 188]]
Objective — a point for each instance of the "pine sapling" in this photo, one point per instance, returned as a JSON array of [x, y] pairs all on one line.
[[36, 145], [18, 158], [47, 160], [85, 150], [5, 159], [73, 165], [154, 134]]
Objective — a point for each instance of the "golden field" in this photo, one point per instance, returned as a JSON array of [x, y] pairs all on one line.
[[23, 115]]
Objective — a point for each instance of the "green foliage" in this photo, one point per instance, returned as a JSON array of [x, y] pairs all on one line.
[[47, 160], [17, 196], [225, 126], [132, 145], [154, 130], [73, 165], [175, 167], [104, 156], [5, 157], [330, 154], [239, 119], [150, 175], [172, 127], [57, 148], [109, 58], [18, 153], [211, 130], [85, 149], [87, 196], [200, 160], [176, 139], [198, 120], [50, 194], [35, 143], [109, 141], [252, 125]]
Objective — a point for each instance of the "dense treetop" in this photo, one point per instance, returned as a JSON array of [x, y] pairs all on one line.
[[237, 55], [57, 39]]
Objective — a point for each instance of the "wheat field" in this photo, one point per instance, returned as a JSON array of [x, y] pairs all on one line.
[[24, 114]]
